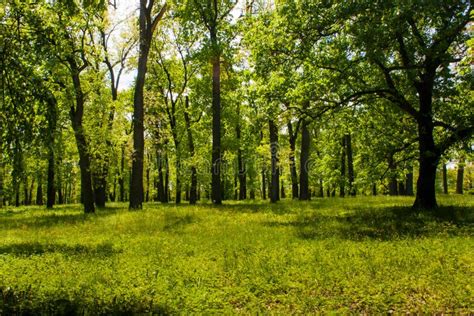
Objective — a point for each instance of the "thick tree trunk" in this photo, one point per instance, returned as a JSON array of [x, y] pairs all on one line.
[[216, 193], [275, 169], [100, 191], [428, 161], [445, 179], [460, 178], [350, 164], [304, 159]]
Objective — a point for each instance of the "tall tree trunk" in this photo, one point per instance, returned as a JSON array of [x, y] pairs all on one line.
[[193, 188], [282, 189], [321, 188], [178, 180], [147, 195], [167, 195], [445, 179], [100, 188], [374, 189], [350, 164], [264, 191], [304, 159], [242, 171], [147, 26], [25, 189], [293, 173], [216, 193], [52, 113], [343, 169], [76, 113], [275, 169], [460, 178]]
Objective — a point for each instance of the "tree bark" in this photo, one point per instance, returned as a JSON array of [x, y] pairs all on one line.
[[39, 192], [193, 187], [428, 161], [350, 164], [216, 190], [293, 135], [445, 179], [275, 169], [304, 159], [343, 169], [460, 178], [242, 172], [76, 115], [147, 26]]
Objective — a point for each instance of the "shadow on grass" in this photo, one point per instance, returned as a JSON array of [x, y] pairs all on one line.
[[42, 218], [25, 302], [383, 223], [36, 248]]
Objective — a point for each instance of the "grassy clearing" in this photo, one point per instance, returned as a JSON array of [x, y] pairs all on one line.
[[356, 254]]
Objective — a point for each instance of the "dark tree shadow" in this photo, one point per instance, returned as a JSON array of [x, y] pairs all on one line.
[[383, 223], [35, 248], [13, 220]]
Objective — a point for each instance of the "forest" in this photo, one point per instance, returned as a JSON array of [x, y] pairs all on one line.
[[350, 120], [234, 101]]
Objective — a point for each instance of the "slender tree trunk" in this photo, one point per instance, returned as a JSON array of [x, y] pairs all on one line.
[[193, 188], [321, 188], [445, 179], [343, 169], [242, 172], [39, 192], [147, 195], [401, 188], [293, 172], [409, 181], [350, 164], [264, 192], [393, 183], [216, 193], [76, 115], [282, 190], [178, 180], [460, 178], [304, 159], [275, 169], [167, 195], [50, 190], [136, 181], [122, 175], [374, 189]]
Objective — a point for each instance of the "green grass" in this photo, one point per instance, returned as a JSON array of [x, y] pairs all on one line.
[[344, 255]]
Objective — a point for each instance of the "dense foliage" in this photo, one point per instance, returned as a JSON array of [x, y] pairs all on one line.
[[234, 100]]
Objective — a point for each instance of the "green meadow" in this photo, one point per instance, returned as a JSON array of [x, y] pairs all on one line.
[[362, 255]]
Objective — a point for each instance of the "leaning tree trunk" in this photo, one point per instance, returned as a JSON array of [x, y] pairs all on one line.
[[304, 159], [275, 169]]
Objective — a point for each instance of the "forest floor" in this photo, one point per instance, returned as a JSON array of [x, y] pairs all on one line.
[[364, 254]]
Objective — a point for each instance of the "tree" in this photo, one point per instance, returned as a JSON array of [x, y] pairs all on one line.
[[148, 22]]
